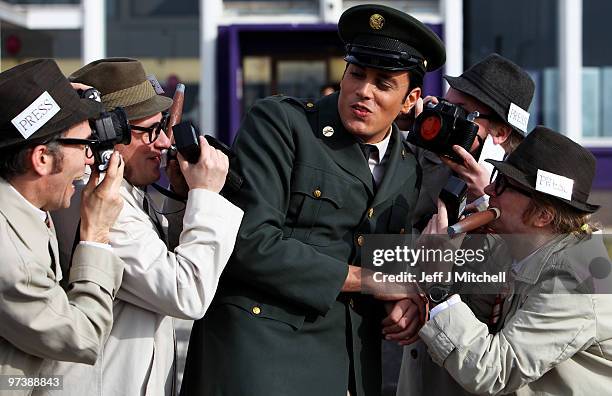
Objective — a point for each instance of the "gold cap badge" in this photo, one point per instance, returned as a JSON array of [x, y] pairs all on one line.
[[377, 21]]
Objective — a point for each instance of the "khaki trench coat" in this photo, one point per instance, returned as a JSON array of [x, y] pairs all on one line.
[[39, 320], [555, 337]]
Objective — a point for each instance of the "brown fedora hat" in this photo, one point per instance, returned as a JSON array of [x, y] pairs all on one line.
[[122, 82], [39, 102]]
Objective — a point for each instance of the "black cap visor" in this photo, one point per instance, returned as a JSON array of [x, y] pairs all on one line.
[[366, 56]]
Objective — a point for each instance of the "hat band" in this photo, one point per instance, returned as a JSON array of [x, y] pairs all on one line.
[[129, 96], [524, 165]]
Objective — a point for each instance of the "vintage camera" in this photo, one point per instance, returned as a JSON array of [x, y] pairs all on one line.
[[442, 125], [454, 196], [109, 129], [186, 138]]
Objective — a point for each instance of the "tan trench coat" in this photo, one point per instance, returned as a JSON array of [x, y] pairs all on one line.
[[551, 341], [39, 320]]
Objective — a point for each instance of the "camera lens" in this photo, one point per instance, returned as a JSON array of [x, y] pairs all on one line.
[[430, 127]]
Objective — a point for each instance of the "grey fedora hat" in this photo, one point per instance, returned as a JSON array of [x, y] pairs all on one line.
[[500, 84], [545, 161]]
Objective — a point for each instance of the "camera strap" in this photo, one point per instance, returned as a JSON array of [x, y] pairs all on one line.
[[168, 193], [153, 216]]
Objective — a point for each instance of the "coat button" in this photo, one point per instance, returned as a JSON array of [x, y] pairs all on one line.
[[256, 310], [317, 193], [352, 303], [403, 154], [370, 212], [309, 105], [414, 353], [360, 240]]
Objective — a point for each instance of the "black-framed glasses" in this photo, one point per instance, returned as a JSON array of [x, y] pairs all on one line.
[[502, 182], [88, 143], [154, 130]]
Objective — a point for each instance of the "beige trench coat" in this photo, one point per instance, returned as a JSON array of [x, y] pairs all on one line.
[[158, 285], [551, 341], [39, 320]]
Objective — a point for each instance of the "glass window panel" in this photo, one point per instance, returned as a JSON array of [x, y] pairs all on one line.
[[597, 60], [165, 8], [591, 94], [301, 78], [243, 7], [550, 106], [257, 77], [42, 1], [527, 38], [336, 69], [606, 102]]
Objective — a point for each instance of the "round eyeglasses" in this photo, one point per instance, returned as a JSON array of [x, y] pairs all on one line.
[[87, 143], [154, 130]]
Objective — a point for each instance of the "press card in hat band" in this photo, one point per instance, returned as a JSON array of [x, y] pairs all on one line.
[[36, 115], [552, 184], [156, 85], [518, 117]]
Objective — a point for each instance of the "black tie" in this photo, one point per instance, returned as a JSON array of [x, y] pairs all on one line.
[[368, 150]]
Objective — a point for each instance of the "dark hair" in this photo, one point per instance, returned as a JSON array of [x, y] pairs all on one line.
[[14, 161], [416, 81]]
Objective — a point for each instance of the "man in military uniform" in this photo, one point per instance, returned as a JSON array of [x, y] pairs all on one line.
[[288, 317]]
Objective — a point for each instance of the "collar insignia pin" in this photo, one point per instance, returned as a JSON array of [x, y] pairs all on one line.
[[328, 131]]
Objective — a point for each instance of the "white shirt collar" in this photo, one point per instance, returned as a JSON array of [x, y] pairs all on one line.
[[382, 146], [37, 212]]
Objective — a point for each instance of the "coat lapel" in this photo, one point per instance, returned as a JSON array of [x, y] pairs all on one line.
[[398, 168], [29, 228], [343, 148], [55, 251]]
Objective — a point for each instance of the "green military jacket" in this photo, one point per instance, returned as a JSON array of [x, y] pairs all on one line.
[[279, 324]]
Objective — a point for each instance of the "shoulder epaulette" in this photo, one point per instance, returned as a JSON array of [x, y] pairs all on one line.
[[306, 104]]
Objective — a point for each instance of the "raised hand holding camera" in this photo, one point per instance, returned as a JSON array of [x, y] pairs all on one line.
[[109, 129], [187, 138], [209, 171], [442, 125], [101, 202]]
